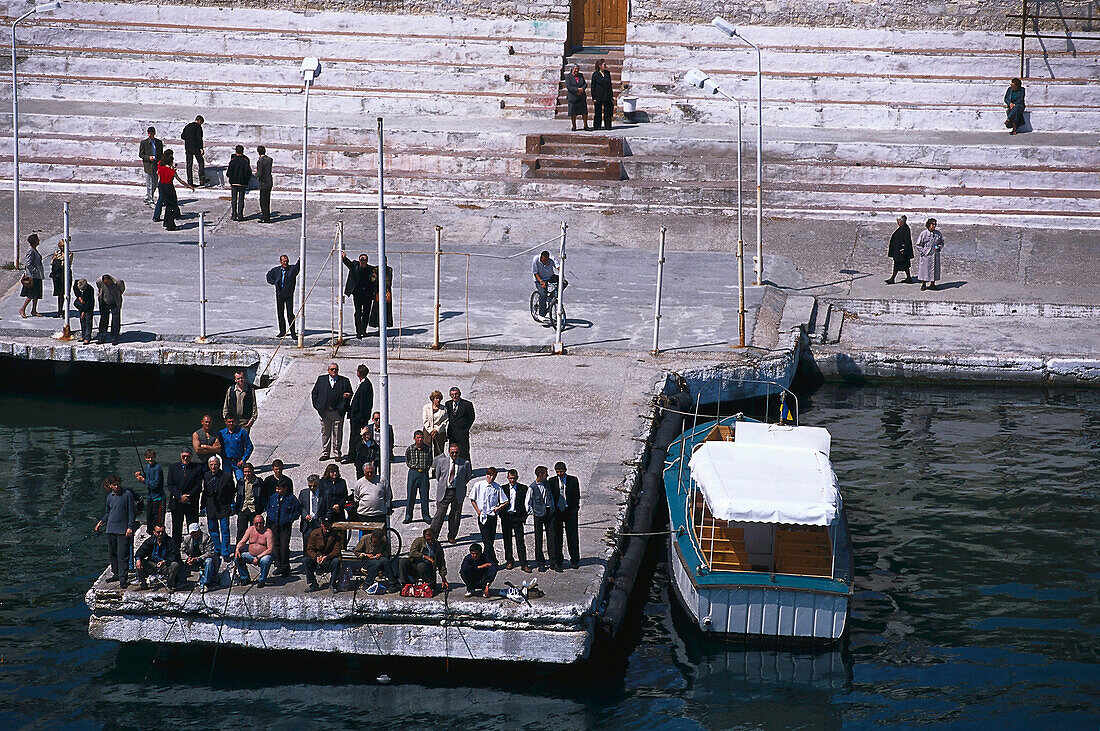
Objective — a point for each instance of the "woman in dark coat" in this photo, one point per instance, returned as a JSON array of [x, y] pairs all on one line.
[[603, 98], [1014, 105], [901, 251], [166, 176], [32, 277], [57, 274], [575, 86]]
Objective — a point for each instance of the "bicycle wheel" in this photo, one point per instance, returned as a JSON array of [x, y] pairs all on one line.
[[395, 541], [535, 307]]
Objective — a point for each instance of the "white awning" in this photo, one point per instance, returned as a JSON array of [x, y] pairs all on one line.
[[761, 483]]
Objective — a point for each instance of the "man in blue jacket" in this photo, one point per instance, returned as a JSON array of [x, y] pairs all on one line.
[[283, 278], [282, 510], [236, 446]]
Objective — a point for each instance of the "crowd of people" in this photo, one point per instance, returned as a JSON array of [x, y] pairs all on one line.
[[214, 478]]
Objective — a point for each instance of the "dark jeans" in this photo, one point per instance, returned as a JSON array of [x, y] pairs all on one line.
[[332, 566], [244, 519], [450, 509], [265, 204], [109, 314], [479, 579], [488, 537], [154, 514], [413, 569], [543, 294], [363, 303], [511, 529], [604, 110], [372, 566], [118, 551], [236, 201], [87, 319], [281, 535], [196, 156], [284, 308], [416, 483], [183, 516], [546, 527], [354, 426], [566, 526]]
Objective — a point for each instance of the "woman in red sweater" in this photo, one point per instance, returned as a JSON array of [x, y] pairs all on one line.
[[166, 175]]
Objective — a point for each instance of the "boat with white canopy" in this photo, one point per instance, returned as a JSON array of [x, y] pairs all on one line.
[[760, 543]]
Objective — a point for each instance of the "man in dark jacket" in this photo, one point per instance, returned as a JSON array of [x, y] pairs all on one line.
[[323, 547], [567, 494], [362, 287], [150, 151], [425, 561], [158, 555], [901, 251], [218, 491], [263, 177], [316, 505], [239, 172], [84, 298], [331, 397], [512, 519], [283, 278], [360, 410], [119, 518], [282, 510], [478, 571], [184, 485], [194, 149], [460, 417]]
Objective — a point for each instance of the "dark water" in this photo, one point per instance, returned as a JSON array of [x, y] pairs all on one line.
[[973, 513]]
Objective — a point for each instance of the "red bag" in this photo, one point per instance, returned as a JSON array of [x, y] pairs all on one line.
[[425, 590], [408, 590]]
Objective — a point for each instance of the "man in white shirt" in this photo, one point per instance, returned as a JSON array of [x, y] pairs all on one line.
[[541, 506], [543, 271], [372, 498], [488, 500]]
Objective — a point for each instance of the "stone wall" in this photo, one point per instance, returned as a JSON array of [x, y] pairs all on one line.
[[520, 9]]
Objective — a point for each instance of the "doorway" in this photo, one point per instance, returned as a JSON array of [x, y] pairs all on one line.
[[597, 23]]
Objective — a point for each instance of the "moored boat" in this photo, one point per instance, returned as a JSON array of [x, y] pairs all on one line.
[[760, 543]]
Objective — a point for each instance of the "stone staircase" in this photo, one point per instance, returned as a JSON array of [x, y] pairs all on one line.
[[575, 156], [586, 60]]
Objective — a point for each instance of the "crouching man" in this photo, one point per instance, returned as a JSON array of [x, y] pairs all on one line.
[[425, 561], [197, 553], [256, 548], [157, 556], [478, 571], [323, 549]]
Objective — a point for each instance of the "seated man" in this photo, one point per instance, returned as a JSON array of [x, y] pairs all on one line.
[[372, 498], [257, 548], [323, 549], [197, 553], [374, 550], [424, 561], [478, 571], [157, 555]]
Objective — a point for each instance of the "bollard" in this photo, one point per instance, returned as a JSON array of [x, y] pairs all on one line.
[[202, 277], [438, 257], [67, 330], [559, 347], [660, 281]]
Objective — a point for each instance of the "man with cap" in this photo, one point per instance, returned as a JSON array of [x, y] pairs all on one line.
[[197, 553], [184, 485]]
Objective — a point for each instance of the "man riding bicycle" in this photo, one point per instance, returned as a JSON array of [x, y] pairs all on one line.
[[544, 271]]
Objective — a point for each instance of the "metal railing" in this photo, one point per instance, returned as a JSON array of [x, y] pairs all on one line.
[[1075, 27]]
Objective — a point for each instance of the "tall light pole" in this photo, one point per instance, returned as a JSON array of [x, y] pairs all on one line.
[[40, 8], [383, 325], [311, 69], [730, 31], [695, 77]]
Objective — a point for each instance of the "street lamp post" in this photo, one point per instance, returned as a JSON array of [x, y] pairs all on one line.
[[40, 8], [695, 77], [311, 69], [730, 31]]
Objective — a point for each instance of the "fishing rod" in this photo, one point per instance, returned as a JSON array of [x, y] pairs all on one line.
[[221, 626], [77, 543]]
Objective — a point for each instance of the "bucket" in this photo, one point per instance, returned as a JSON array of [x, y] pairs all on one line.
[[629, 104]]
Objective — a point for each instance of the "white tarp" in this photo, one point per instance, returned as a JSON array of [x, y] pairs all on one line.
[[761, 483]]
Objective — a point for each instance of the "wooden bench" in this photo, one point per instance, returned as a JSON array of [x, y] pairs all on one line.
[[721, 546], [803, 551]]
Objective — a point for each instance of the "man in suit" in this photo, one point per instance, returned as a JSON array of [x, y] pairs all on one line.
[[239, 172], [567, 494], [452, 472], [263, 177], [331, 398], [316, 505], [283, 278], [150, 151], [193, 147], [460, 417], [512, 519], [282, 510], [184, 485], [359, 412], [362, 287]]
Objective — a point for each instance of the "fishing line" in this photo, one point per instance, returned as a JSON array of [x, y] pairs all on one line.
[[218, 643]]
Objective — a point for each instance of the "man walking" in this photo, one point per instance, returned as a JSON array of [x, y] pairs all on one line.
[[110, 306], [194, 149], [283, 278], [512, 519], [119, 519], [567, 492], [263, 177], [331, 397], [150, 151], [282, 510], [452, 472], [418, 458], [184, 485], [240, 401], [460, 417], [359, 412], [239, 172]]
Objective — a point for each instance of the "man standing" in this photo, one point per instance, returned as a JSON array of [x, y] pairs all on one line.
[[263, 176], [425, 560], [372, 498], [85, 306], [488, 501], [542, 504], [362, 287], [361, 404], [273, 481], [282, 510], [315, 506], [251, 500], [239, 172], [331, 397], [452, 472], [283, 278], [901, 250], [194, 149], [376, 431], [460, 417], [512, 519], [119, 519], [205, 442], [236, 446], [152, 476], [324, 545], [257, 547], [240, 401], [150, 151], [197, 553], [218, 491], [110, 306], [567, 493], [158, 555], [478, 571], [418, 458], [366, 451], [184, 485]]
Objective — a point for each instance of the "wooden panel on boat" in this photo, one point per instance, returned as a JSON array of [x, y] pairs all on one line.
[[722, 546], [803, 550], [720, 433]]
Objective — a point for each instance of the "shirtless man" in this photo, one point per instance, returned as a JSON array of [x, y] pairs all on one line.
[[205, 442], [257, 548]]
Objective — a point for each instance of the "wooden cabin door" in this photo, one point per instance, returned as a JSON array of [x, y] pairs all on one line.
[[599, 23]]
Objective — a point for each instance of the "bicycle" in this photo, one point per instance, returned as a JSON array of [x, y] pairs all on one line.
[[550, 319]]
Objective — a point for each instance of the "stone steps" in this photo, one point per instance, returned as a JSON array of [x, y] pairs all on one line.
[[573, 157]]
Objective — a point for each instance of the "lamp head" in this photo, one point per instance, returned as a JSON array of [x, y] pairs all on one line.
[[47, 7], [311, 69], [695, 77], [722, 25]]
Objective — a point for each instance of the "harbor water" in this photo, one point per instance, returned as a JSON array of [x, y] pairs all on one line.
[[974, 521]]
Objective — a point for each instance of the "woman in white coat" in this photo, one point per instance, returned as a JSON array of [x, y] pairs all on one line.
[[435, 424], [929, 246]]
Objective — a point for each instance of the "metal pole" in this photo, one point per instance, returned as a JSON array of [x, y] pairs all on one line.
[[15, 143], [301, 318], [740, 228], [660, 280], [340, 293], [1023, 37], [759, 162], [66, 331], [438, 257], [558, 346], [202, 277], [383, 365]]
